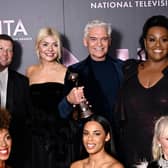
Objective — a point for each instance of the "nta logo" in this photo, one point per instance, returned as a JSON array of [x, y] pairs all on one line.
[[14, 28]]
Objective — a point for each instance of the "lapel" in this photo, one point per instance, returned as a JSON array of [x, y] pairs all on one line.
[[10, 91]]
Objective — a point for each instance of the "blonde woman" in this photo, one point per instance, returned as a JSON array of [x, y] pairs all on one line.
[[51, 135], [160, 144]]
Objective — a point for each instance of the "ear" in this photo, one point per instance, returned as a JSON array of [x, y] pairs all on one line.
[[85, 42], [158, 142], [107, 137]]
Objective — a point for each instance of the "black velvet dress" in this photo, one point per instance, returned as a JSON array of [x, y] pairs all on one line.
[[140, 108], [51, 135]]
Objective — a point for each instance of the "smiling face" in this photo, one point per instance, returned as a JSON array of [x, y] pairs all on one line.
[[163, 139], [97, 41], [156, 43], [6, 53], [5, 144], [48, 49], [164, 144], [94, 137]]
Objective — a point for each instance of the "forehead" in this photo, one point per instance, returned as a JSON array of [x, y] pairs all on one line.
[[93, 125], [6, 43], [3, 132], [49, 39], [98, 31], [158, 30]]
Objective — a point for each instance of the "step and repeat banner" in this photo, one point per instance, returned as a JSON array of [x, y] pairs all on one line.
[[22, 20]]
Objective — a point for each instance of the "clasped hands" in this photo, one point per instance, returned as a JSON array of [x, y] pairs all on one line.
[[76, 95]]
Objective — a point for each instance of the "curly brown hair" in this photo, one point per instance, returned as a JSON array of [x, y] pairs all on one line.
[[5, 118]]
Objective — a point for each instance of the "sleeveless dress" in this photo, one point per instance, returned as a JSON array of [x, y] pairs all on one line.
[[52, 145]]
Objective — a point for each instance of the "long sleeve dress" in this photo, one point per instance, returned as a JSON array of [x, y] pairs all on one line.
[[139, 108]]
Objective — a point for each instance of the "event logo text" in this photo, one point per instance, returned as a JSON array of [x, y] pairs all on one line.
[[129, 4], [14, 28]]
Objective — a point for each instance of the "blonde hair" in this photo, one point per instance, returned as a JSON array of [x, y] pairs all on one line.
[[161, 129], [48, 31]]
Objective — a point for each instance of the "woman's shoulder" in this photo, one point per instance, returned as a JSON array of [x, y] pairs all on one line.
[[77, 164], [111, 162], [115, 164], [130, 67], [63, 68], [31, 69], [130, 63]]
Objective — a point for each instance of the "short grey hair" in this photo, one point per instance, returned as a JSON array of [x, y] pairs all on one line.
[[97, 23]]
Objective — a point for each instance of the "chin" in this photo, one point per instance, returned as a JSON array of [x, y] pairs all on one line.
[[4, 158]]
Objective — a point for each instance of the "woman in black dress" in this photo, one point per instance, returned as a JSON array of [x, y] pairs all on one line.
[[144, 95], [51, 135]]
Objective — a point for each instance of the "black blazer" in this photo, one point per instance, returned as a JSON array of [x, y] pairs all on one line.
[[19, 105], [92, 90]]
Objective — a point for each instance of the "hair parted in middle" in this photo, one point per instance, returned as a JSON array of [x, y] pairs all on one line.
[[109, 146], [45, 32]]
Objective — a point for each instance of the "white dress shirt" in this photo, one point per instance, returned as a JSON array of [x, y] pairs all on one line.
[[3, 86]]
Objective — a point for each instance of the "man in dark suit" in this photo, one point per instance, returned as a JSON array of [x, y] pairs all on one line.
[[14, 94], [99, 75]]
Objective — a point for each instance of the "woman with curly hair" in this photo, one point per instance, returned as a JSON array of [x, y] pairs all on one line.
[[144, 95], [5, 138]]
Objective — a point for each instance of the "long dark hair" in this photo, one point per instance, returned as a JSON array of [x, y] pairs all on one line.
[[158, 20], [107, 129]]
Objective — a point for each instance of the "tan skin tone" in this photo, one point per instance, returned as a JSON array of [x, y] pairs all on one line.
[[5, 147], [48, 70], [94, 139], [156, 44]]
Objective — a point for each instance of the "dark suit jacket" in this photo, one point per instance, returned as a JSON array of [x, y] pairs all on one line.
[[19, 105], [92, 90]]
